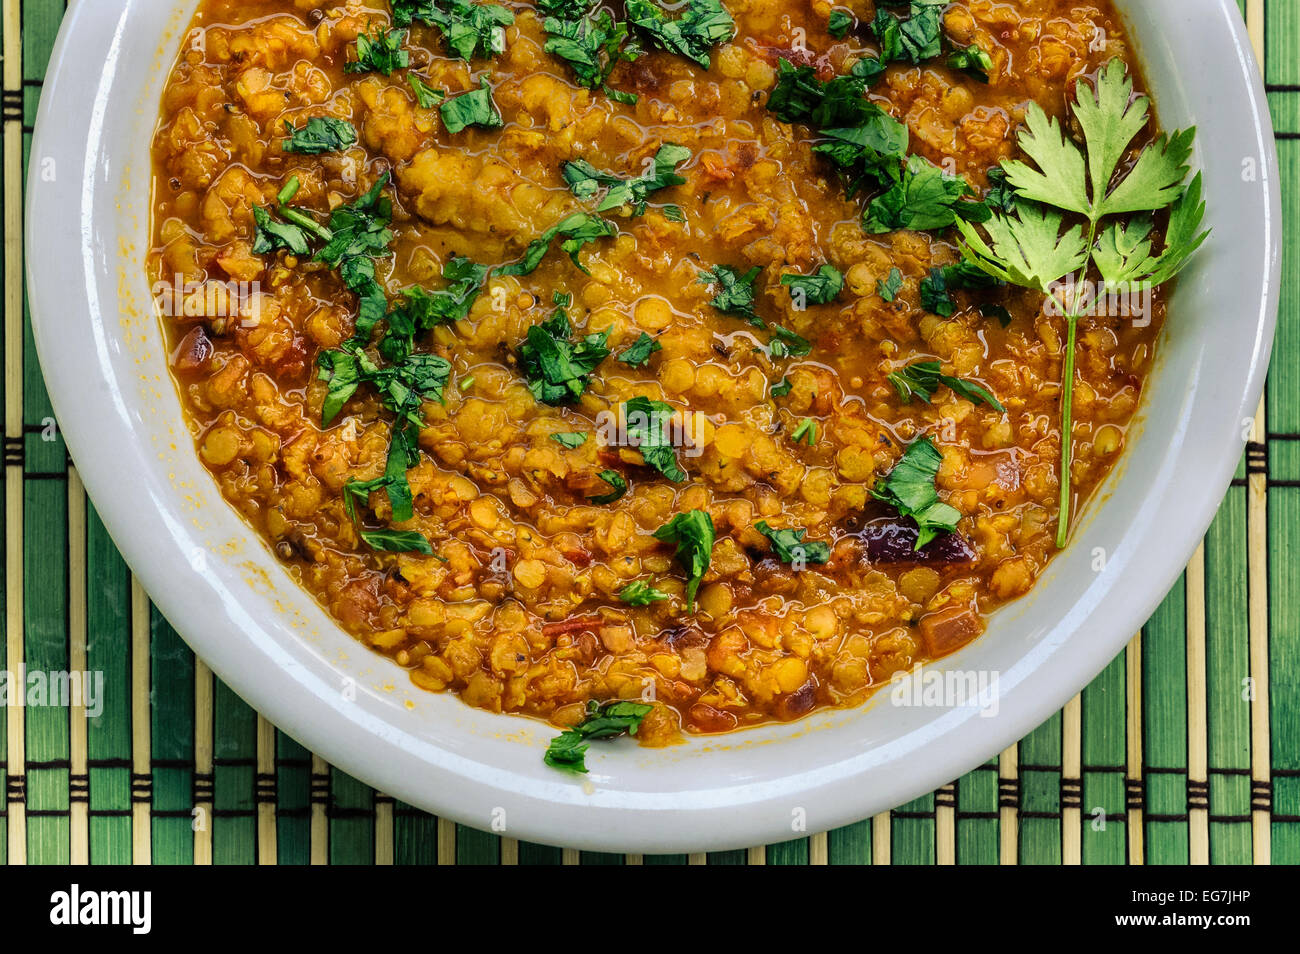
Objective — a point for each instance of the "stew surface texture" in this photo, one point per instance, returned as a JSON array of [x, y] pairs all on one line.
[[501, 364]]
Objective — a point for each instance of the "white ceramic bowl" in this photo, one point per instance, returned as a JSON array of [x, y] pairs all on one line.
[[104, 362]]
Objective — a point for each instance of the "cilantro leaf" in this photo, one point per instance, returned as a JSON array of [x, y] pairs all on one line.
[[585, 180], [909, 489], [820, 288], [604, 720], [592, 46], [557, 369], [319, 134], [470, 29], [735, 291], [694, 535], [702, 25], [639, 352], [1025, 247], [578, 229], [615, 480], [789, 546], [913, 39], [425, 95], [271, 235], [421, 310], [640, 593], [924, 198], [923, 378], [839, 22], [645, 422], [888, 288], [379, 51], [570, 439], [936, 287], [397, 541], [475, 108]]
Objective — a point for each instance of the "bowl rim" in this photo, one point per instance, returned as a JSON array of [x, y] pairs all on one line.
[[243, 651]]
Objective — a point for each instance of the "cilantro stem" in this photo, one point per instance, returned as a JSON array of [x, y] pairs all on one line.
[[1067, 430]]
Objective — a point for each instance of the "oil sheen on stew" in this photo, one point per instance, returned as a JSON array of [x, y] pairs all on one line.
[[545, 588]]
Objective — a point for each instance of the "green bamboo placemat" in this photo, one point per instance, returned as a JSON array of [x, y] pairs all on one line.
[[1185, 750]]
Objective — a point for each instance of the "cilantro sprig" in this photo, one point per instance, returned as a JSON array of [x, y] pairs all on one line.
[[1077, 210]]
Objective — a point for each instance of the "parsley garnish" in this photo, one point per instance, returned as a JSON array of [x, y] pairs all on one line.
[[319, 134], [615, 480], [578, 229], [558, 370], [646, 421], [910, 490], [470, 29], [604, 720], [694, 535], [474, 108], [702, 25], [585, 180], [820, 288], [638, 353], [922, 379], [379, 51], [640, 593], [789, 546], [1026, 245]]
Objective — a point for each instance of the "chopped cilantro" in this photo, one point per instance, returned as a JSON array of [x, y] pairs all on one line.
[[615, 480], [585, 180], [735, 291], [888, 288], [425, 95], [819, 288], [570, 439], [806, 431], [640, 593], [972, 60], [646, 421], [694, 535], [782, 388], [936, 288], [604, 720], [592, 46], [789, 545], [379, 51], [638, 353], [839, 23], [578, 229], [557, 369], [469, 29], [913, 39], [924, 198], [474, 108], [923, 378], [702, 25], [910, 490], [319, 134]]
